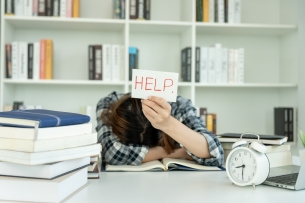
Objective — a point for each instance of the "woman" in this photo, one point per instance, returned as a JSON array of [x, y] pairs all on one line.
[[134, 131]]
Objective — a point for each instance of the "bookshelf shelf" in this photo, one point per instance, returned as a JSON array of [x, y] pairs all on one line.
[[245, 29], [259, 85]]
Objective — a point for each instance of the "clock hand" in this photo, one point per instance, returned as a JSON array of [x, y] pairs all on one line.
[[243, 166], [242, 173]]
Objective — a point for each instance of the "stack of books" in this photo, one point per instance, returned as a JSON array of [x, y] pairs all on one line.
[[278, 151], [44, 154], [93, 170]]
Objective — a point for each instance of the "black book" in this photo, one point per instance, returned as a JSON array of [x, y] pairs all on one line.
[[197, 71], [133, 9], [49, 8], [8, 60], [30, 60], [188, 64], [183, 64], [98, 62], [9, 7], [283, 122], [17, 105], [42, 8], [56, 8], [91, 60], [147, 9]]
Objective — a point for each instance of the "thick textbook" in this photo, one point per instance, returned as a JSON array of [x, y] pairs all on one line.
[[38, 190], [36, 158], [45, 133], [49, 144], [44, 171], [265, 139], [166, 164], [41, 117]]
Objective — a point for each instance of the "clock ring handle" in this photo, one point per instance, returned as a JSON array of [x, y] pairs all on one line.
[[248, 133]]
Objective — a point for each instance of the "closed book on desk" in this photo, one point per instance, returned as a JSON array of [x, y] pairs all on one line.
[[41, 117], [37, 190], [265, 139], [49, 144], [44, 171], [167, 164], [37, 158], [45, 133]]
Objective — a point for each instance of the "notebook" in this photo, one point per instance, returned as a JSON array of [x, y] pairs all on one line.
[[288, 177]]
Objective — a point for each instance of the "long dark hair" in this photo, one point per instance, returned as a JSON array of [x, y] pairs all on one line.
[[131, 126]]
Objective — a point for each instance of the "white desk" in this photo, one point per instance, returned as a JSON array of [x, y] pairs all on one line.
[[184, 187]]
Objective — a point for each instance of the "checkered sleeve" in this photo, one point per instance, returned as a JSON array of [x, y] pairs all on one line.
[[113, 151], [186, 113]]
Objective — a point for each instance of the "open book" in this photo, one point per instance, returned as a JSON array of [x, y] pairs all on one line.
[[166, 164]]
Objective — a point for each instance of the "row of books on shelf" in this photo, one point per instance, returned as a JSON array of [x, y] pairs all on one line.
[[218, 11], [38, 155], [138, 9], [55, 8], [215, 64], [29, 60]]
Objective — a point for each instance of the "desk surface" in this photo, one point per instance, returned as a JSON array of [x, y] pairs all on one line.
[[178, 187]]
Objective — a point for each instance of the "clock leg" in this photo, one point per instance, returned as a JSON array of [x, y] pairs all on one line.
[[253, 186]]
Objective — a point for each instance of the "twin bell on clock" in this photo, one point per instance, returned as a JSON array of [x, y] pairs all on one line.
[[247, 163]]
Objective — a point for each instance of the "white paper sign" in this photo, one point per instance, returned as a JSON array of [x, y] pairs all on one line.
[[154, 83]]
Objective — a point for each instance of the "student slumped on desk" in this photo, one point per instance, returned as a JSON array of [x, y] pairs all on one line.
[[136, 133], [44, 154]]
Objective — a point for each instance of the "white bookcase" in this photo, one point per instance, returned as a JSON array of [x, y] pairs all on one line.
[[268, 32]]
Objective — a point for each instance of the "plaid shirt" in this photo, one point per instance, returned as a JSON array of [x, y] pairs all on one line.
[[116, 153]]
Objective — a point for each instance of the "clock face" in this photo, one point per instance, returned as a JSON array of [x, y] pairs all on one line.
[[242, 165]]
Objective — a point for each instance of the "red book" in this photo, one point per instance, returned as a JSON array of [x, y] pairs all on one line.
[[43, 59]]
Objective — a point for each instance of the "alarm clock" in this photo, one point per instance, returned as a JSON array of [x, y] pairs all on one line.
[[247, 163]]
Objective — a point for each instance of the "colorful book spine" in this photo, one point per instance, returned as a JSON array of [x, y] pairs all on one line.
[[69, 8], [206, 8], [133, 9], [98, 52], [8, 60], [132, 61], [116, 9], [49, 59], [35, 7], [43, 59], [76, 9]]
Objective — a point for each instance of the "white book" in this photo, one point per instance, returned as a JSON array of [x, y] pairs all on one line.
[[218, 62], [220, 11], [22, 145], [23, 60], [230, 65], [122, 63], [241, 69], [224, 65], [236, 65], [106, 62], [19, 11], [45, 133], [237, 11], [211, 65], [36, 158], [44, 171], [204, 64], [36, 61], [231, 11], [115, 62], [63, 8], [211, 11], [37, 190], [15, 56], [28, 7]]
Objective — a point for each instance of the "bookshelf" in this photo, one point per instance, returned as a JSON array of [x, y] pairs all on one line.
[[270, 38]]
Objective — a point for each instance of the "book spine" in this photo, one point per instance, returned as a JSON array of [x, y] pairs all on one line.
[[8, 60], [23, 66], [115, 60], [122, 62], [76, 9], [140, 10], [147, 9], [290, 125], [137, 59], [218, 62], [28, 7], [230, 65], [116, 9], [68, 8], [224, 65], [35, 7], [237, 9], [133, 9], [241, 58], [98, 62], [183, 62], [231, 11], [49, 59], [30, 60], [199, 10], [226, 10], [9, 7], [211, 65], [203, 64], [42, 8], [63, 8], [18, 6], [236, 65], [189, 65], [42, 59], [56, 8], [36, 61], [49, 9], [220, 11], [123, 7], [211, 11], [197, 72], [15, 55], [203, 115], [132, 61], [106, 62], [206, 9], [91, 62]]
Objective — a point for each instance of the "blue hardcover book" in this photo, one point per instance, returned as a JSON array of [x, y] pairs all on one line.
[[41, 118]]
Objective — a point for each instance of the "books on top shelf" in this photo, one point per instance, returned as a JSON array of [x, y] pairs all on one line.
[[29, 60], [44, 171], [218, 11], [139, 9], [39, 190], [166, 164], [51, 8]]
